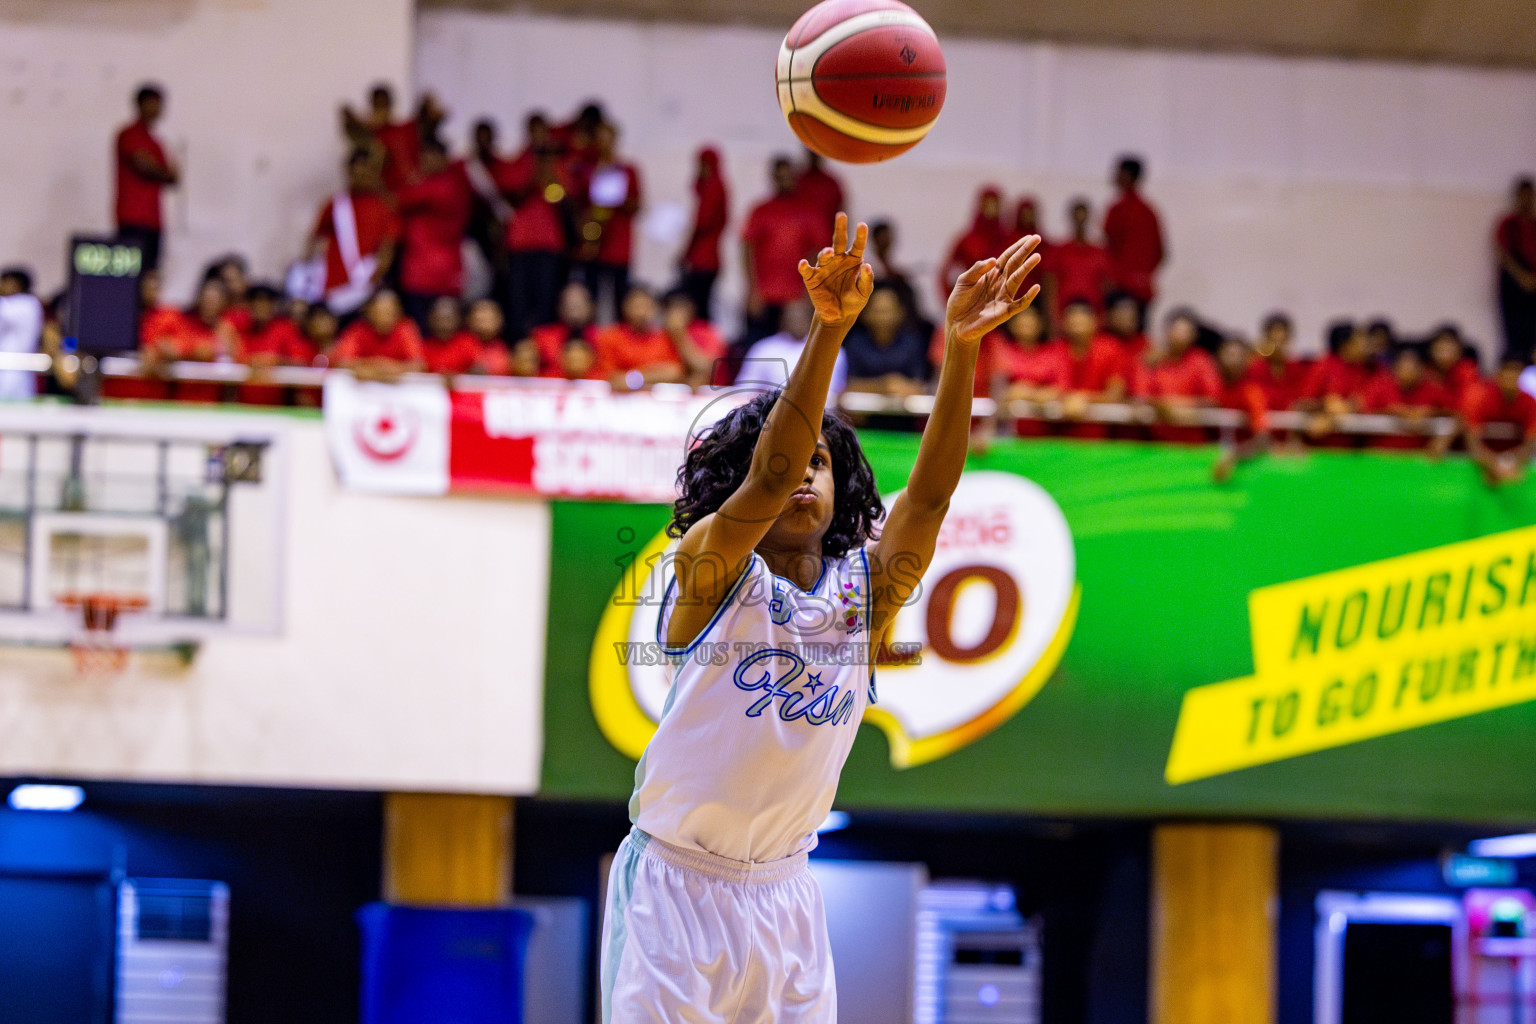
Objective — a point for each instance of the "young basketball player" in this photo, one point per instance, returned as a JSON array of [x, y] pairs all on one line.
[[781, 588]]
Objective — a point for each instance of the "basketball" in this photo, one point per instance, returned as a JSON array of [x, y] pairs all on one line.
[[861, 80]]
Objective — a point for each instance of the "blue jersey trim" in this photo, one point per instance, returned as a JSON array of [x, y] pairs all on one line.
[[869, 623], [725, 602]]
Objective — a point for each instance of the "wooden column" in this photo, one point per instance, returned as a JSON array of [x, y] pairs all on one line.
[[1214, 909], [447, 850]]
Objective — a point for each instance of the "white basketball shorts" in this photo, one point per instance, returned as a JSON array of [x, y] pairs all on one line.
[[691, 938]]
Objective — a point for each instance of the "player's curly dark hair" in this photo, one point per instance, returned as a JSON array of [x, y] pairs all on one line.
[[717, 465]]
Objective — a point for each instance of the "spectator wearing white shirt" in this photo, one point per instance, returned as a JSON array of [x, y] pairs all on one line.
[[769, 361], [21, 330]]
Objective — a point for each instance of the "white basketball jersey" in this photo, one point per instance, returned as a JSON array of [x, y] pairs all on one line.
[[763, 709]]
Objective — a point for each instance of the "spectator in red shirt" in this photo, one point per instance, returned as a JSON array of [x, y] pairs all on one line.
[[1380, 343], [1515, 247], [143, 172], [203, 334], [779, 233], [695, 338], [537, 185], [1283, 378], [636, 350], [1020, 365], [1121, 321], [484, 322], [820, 191], [579, 360], [395, 145], [1452, 361], [1133, 237], [434, 214], [1181, 378], [576, 321], [1094, 367], [446, 347], [1079, 270], [1501, 401], [321, 328], [383, 343], [700, 263], [1335, 382], [577, 138], [1240, 392], [268, 339], [986, 237], [1407, 390], [157, 345], [610, 193], [356, 233]]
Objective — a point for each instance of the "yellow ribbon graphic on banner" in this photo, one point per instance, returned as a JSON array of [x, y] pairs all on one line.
[[1371, 650]]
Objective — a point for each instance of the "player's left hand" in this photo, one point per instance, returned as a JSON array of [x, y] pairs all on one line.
[[841, 282], [983, 297]]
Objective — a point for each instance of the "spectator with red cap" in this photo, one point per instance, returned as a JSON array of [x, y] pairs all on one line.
[[1079, 269], [356, 233], [1241, 393], [383, 343], [576, 320], [395, 145], [986, 237], [820, 191], [700, 263], [1283, 378], [1133, 236], [1406, 389], [268, 339], [1515, 248], [610, 199], [636, 350], [1500, 401], [1453, 364], [779, 233], [144, 171], [1181, 378], [434, 213], [537, 185]]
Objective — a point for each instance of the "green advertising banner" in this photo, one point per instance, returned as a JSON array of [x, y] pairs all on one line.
[[1106, 631]]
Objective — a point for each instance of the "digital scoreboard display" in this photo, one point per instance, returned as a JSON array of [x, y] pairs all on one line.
[[103, 305]]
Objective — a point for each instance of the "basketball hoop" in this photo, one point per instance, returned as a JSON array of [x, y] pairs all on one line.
[[95, 648]]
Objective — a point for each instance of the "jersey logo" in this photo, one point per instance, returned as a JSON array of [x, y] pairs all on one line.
[[781, 676], [852, 600]]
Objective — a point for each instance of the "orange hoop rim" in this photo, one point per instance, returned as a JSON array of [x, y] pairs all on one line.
[[104, 599]]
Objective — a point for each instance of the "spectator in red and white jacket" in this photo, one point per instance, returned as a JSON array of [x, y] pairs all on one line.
[[1133, 237], [700, 262], [356, 233]]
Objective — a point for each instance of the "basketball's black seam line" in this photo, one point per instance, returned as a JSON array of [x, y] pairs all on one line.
[[854, 78]]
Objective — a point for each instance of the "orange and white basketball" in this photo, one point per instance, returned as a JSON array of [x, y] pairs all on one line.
[[861, 80]]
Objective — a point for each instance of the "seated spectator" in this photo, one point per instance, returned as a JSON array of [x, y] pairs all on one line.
[[1182, 377], [522, 361], [268, 339], [1079, 269], [1501, 401], [1122, 321], [1452, 361], [233, 272], [636, 350], [484, 323], [434, 206], [768, 362], [202, 334], [157, 346], [383, 343], [1028, 368], [447, 347], [882, 248], [698, 343], [1282, 377], [887, 353], [576, 321], [1335, 383], [320, 327], [578, 360], [21, 330], [1380, 343], [1091, 367], [986, 237], [355, 233], [1408, 390], [1240, 392]]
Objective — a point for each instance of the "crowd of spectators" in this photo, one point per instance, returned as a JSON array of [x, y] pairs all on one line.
[[384, 288]]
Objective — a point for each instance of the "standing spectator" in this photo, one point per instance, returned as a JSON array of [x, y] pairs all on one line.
[[434, 213], [21, 330], [204, 334], [779, 233], [700, 263], [356, 234], [610, 192], [819, 191], [1407, 390], [1079, 270], [267, 339], [1183, 377], [1515, 246], [577, 138], [887, 352], [1133, 237], [1241, 393], [637, 351], [1452, 361], [143, 172], [383, 343], [1501, 401], [986, 237], [769, 362], [694, 337], [491, 213], [1283, 378], [395, 145], [538, 187], [576, 320]]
